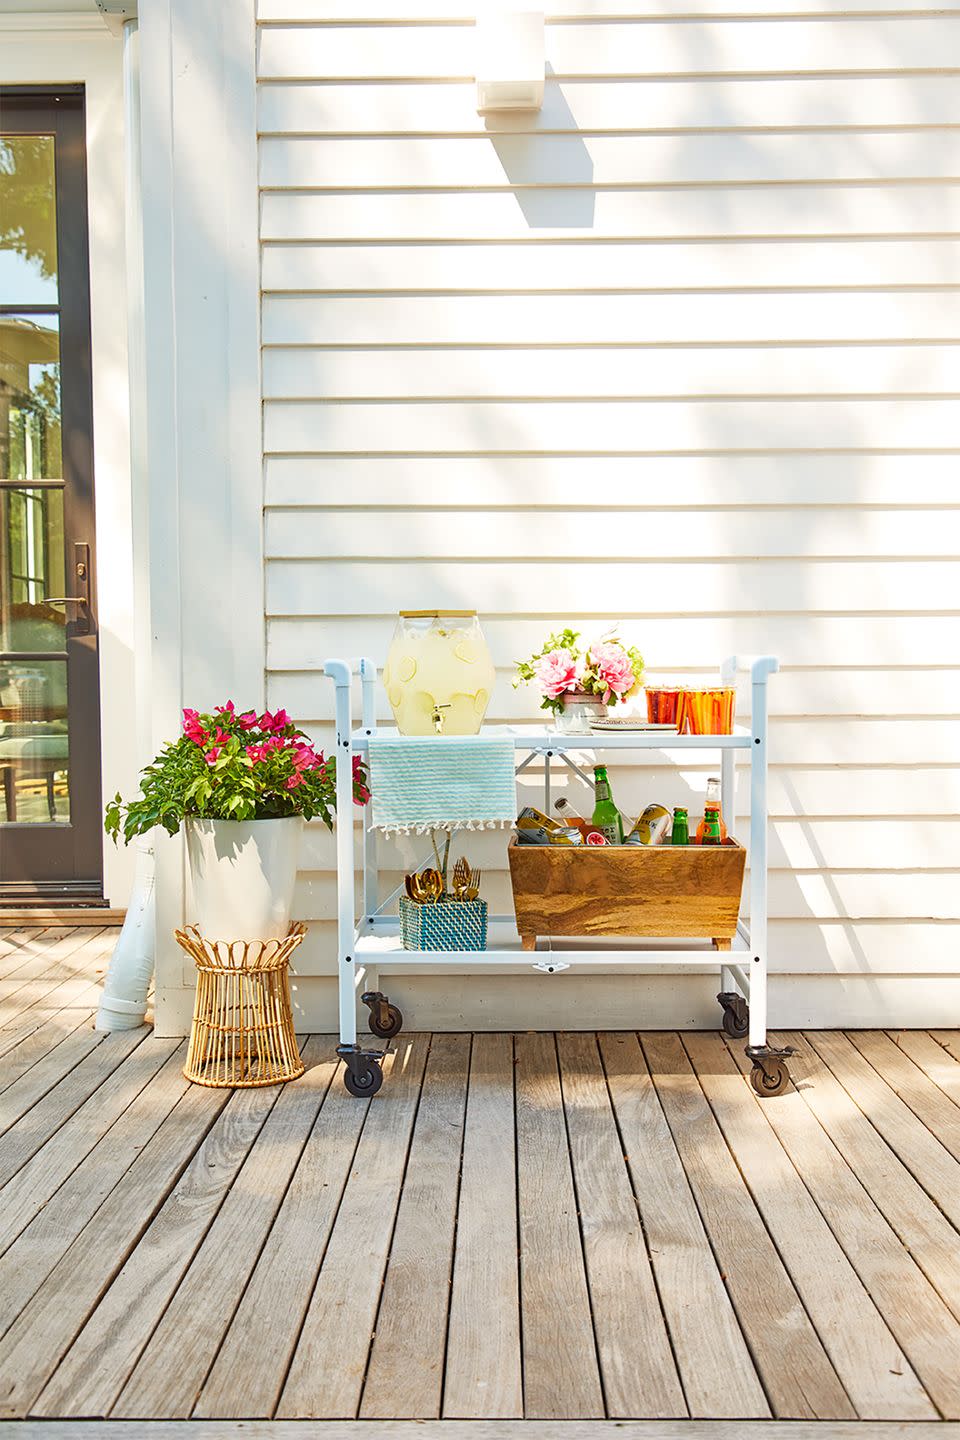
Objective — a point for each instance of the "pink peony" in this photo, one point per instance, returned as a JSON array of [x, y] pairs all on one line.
[[556, 673], [614, 670]]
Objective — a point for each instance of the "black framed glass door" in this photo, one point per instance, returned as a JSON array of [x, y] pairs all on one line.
[[50, 804]]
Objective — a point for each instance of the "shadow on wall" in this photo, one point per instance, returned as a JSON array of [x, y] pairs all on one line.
[[531, 160]]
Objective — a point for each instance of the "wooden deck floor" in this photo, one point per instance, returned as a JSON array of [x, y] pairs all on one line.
[[544, 1226]]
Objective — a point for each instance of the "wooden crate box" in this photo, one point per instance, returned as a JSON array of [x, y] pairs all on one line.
[[630, 890]]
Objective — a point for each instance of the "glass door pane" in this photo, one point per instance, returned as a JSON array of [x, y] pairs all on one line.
[[50, 803], [28, 220]]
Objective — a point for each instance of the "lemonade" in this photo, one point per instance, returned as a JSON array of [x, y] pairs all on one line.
[[439, 674]]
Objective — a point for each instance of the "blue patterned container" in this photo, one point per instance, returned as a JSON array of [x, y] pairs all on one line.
[[447, 925]]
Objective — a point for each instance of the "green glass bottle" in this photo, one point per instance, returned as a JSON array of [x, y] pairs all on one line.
[[680, 834], [606, 816]]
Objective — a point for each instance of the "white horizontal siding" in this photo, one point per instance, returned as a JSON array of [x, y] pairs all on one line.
[[560, 267], [618, 427], [642, 535], [728, 46], [694, 481], [613, 372], [683, 349], [894, 207], [748, 317], [589, 106], [493, 161], [693, 639], [409, 12]]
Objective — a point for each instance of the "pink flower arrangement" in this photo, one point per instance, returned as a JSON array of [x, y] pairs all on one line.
[[613, 668], [230, 766], [556, 673], [607, 668]]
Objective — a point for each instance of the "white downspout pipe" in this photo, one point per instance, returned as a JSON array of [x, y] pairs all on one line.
[[123, 1003]]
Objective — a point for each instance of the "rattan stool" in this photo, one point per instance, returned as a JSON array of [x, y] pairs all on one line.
[[242, 1032]]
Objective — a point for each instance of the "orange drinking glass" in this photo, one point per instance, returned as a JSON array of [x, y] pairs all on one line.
[[707, 712], [662, 706]]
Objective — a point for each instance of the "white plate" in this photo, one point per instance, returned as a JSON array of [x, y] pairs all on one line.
[[625, 725]]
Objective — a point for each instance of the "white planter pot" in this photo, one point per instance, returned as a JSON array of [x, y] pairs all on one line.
[[243, 873]]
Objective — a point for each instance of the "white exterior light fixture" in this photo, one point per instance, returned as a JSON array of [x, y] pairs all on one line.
[[510, 59]]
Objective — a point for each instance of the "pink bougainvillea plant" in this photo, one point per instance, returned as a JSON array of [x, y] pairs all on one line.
[[606, 668], [234, 766]]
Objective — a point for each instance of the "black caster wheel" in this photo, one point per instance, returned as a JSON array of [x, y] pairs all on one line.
[[365, 1081], [736, 1015], [362, 1070], [385, 1019], [770, 1078]]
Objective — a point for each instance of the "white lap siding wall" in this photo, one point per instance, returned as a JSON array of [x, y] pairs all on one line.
[[681, 350]]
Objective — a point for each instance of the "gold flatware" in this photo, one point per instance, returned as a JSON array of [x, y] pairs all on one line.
[[473, 889], [431, 883], [425, 888], [461, 877]]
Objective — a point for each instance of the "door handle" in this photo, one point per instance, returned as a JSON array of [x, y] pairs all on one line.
[[81, 571]]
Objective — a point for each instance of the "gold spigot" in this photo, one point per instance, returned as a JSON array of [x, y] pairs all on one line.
[[438, 719]]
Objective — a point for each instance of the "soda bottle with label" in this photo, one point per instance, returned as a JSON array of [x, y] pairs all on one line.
[[711, 801], [606, 816], [711, 826], [680, 834]]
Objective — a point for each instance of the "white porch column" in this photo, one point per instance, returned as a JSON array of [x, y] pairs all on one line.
[[202, 388]]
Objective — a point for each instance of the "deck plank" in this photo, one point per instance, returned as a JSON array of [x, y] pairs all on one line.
[[815, 1231], [950, 1040], [936, 1062], [925, 1098], [61, 1208], [17, 946], [47, 1170], [908, 1209], [921, 1323], [797, 1375], [83, 1082], [94, 1370], [716, 1369], [47, 1072], [171, 1369], [639, 1372], [248, 1373], [405, 1372], [59, 958], [561, 1376], [48, 953], [342, 1309], [39, 1337], [36, 1041], [483, 1376], [918, 1150], [39, 999]]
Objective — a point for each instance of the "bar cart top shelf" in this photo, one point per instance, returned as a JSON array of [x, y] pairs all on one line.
[[530, 737]]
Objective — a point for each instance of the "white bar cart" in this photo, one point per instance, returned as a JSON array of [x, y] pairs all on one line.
[[372, 943]]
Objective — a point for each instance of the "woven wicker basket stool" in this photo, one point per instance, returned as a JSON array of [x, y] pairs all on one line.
[[242, 1032]]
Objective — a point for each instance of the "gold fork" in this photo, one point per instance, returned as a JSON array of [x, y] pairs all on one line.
[[473, 888], [461, 877]]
